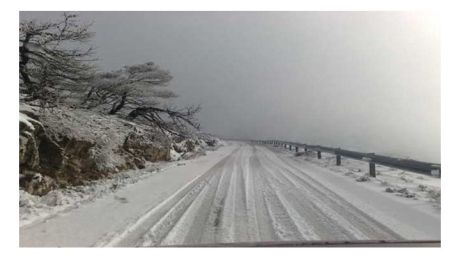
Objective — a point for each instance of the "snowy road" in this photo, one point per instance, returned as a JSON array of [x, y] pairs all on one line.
[[254, 193]]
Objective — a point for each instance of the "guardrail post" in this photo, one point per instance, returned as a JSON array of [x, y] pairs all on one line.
[[338, 159], [319, 154], [436, 170], [371, 168]]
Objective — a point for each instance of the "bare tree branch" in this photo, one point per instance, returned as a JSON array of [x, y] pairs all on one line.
[[53, 51], [129, 87], [175, 121]]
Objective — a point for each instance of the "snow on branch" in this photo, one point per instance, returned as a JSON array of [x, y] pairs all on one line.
[[52, 55]]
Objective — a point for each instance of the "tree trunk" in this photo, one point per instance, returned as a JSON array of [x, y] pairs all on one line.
[[117, 107], [138, 111], [24, 59]]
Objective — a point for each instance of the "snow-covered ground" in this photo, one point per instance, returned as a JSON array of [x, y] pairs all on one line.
[[240, 193], [397, 182], [83, 216], [34, 208]]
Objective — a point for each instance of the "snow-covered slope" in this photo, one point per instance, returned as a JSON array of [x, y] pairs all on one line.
[[63, 147]]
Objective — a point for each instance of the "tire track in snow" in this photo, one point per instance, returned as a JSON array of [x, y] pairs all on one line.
[[182, 216], [264, 223], [187, 229], [323, 222], [251, 220], [283, 224], [136, 234], [234, 212], [362, 225], [202, 215], [160, 230], [240, 220], [254, 195], [213, 227]]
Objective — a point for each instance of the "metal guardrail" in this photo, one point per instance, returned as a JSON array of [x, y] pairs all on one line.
[[426, 168], [352, 243]]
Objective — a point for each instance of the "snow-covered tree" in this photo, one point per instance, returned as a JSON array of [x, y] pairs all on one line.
[[129, 87], [52, 57], [170, 119], [135, 92]]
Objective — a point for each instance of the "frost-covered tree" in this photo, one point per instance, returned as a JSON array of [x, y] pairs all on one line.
[[52, 57], [136, 93], [173, 120], [129, 88]]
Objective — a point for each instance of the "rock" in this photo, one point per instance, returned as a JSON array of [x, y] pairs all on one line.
[[389, 189], [422, 187], [179, 148], [139, 162], [190, 145], [402, 190], [191, 155], [140, 146], [435, 195], [211, 143], [114, 186], [38, 154], [51, 154], [39, 184], [29, 130], [363, 178], [409, 195]]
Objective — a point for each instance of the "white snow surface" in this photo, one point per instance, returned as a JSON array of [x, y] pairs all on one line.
[[34, 208], [397, 182], [80, 216], [241, 193]]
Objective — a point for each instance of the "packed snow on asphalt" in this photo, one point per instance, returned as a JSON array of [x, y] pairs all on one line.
[[241, 193]]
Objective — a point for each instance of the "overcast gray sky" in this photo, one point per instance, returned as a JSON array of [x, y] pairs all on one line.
[[368, 81]]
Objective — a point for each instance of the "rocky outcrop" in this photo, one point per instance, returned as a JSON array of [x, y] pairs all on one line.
[[37, 152], [139, 146], [70, 147]]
